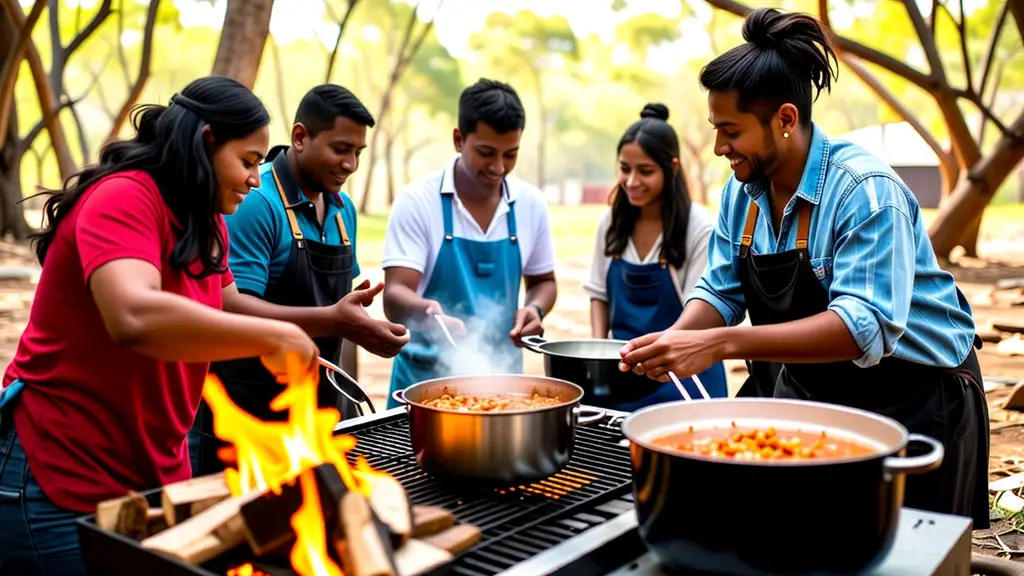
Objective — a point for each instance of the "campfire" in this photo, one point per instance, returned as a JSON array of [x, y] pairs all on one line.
[[292, 498]]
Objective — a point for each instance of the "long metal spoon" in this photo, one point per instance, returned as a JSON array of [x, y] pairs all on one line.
[[444, 328]]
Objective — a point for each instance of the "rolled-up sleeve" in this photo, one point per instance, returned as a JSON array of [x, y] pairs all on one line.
[[719, 285], [873, 268]]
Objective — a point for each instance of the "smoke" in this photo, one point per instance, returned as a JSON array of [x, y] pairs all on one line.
[[485, 348]]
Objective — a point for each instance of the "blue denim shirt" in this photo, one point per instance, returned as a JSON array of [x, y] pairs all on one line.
[[869, 248]]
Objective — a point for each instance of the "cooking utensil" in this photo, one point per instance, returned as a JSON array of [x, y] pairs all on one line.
[[507, 447], [592, 364], [348, 387], [859, 498], [444, 328], [679, 386]]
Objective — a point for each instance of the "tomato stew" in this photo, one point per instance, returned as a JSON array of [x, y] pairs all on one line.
[[734, 443], [498, 402]]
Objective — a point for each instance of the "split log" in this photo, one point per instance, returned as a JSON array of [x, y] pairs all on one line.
[[182, 500], [130, 516], [418, 557], [456, 539], [428, 520], [268, 518], [205, 535], [392, 506], [362, 540]]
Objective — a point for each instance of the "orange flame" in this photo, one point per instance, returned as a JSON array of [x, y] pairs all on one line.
[[271, 454]]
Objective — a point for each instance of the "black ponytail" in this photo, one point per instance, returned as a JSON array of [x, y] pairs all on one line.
[[784, 56], [169, 146]]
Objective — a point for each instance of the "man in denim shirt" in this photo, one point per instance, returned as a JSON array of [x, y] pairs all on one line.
[[823, 246]]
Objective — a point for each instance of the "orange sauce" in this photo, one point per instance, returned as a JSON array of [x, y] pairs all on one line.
[[735, 443]]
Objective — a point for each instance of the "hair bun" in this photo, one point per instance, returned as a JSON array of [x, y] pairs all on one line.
[[655, 110], [762, 25]]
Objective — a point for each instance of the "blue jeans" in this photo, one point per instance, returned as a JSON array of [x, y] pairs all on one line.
[[37, 537]]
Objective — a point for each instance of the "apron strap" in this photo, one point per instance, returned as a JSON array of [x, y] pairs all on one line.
[[511, 218], [803, 225], [748, 229], [446, 214], [341, 229], [292, 221]]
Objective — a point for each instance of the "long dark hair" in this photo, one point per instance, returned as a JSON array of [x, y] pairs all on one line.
[[659, 141], [783, 57], [169, 146]]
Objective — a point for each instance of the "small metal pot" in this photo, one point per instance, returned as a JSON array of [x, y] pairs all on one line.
[[592, 364], [829, 516], [507, 447]]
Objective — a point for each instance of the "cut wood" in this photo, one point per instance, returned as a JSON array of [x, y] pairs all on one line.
[[182, 500], [1009, 483], [427, 520], [392, 506], [362, 541], [417, 557], [128, 515], [205, 535], [268, 518], [456, 539]]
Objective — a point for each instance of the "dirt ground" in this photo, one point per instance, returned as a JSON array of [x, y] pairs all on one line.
[[978, 279]]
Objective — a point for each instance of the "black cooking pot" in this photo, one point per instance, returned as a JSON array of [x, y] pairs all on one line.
[[709, 515], [592, 364]]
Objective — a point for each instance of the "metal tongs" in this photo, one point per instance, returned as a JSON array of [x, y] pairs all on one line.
[[682, 389], [348, 387]]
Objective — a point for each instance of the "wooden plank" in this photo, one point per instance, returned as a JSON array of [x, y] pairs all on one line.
[[183, 500], [205, 535]]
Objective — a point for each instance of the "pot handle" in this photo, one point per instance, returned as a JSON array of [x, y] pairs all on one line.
[[595, 415], [533, 343], [916, 464], [399, 396]]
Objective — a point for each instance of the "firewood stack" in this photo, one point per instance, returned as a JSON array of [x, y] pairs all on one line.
[[379, 535]]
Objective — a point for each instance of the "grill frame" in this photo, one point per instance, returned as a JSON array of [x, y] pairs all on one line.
[[549, 531]]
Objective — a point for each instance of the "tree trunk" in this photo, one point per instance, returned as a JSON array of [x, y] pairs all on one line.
[[12, 216], [968, 201], [246, 27]]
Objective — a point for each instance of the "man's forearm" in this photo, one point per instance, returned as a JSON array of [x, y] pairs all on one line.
[[316, 321], [821, 338], [698, 315], [402, 304], [542, 294]]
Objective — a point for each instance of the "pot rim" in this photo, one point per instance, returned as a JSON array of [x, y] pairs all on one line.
[[542, 348], [454, 379], [881, 453]]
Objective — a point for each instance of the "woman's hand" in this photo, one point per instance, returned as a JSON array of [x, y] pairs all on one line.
[[291, 340], [683, 352]]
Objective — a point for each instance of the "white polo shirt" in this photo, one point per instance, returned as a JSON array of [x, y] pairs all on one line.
[[698, 231], [416, 225]]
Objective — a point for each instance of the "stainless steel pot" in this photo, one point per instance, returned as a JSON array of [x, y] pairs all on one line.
[[592, 364], [830, 516], [508, 447]]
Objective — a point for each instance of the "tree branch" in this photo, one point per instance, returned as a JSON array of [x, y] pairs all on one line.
[[29, 138], [961, 26], [341, 30], [119, 48], [145, 60], [9, 70], [91, 27], [83, 142], [993, 44], [1017, 9], [859, 50], [938, 74]]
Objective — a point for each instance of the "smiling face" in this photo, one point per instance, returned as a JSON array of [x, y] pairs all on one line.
[[487, 156], [327, 160], [740, 136], [236, 164], [639, 176]]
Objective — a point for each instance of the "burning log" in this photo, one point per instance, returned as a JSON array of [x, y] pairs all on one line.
[[130, 516], [428, 520], [362, 540], [205, 535], [392, 506], [268, 518], [182, 500]]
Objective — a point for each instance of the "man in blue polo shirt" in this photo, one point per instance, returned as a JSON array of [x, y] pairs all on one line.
[[293, 256]]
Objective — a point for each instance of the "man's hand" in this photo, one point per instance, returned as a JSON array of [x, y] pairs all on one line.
[[455, 326], [527, 323], [379, 337], [684, 352]]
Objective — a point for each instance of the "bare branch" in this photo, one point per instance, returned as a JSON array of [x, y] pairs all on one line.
[[961, 26], [993, 44], [144, 67], [91, 27], [1018, 16], [1000, 68], [119, 47], [29, 138], [341, 30], [9, 70], [83, 142], [844, 44], [933, 19], [931, 51]]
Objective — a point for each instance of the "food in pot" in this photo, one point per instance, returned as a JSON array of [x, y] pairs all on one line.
[[734, 443], [497, 402]]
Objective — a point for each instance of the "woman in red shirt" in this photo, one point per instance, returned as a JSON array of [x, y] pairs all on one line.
[[126, 319]]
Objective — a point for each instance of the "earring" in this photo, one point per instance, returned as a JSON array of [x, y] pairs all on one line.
[[785, 134]]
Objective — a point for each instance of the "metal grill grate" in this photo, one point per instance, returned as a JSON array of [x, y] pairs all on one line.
[[517, 522]]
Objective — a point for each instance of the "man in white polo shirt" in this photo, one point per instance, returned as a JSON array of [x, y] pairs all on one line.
[[460, 242]]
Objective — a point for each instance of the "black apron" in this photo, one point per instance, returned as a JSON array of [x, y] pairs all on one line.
[[945, 404], [316, 274]]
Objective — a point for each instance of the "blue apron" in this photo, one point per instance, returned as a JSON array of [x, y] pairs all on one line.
[[470, 279], [642, 299]]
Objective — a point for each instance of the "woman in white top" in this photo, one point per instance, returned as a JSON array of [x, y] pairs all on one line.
[[651, 248]]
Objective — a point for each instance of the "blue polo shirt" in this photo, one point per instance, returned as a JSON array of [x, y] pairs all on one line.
[[868, 247], [261, 239]]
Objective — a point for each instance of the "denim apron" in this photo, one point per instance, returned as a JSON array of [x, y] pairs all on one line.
[[470, 279], [642, 299]]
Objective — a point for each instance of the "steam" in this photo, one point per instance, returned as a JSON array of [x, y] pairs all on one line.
[[485, 348]]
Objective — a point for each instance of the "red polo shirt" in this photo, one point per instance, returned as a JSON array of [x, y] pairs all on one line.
[[95, 418]]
